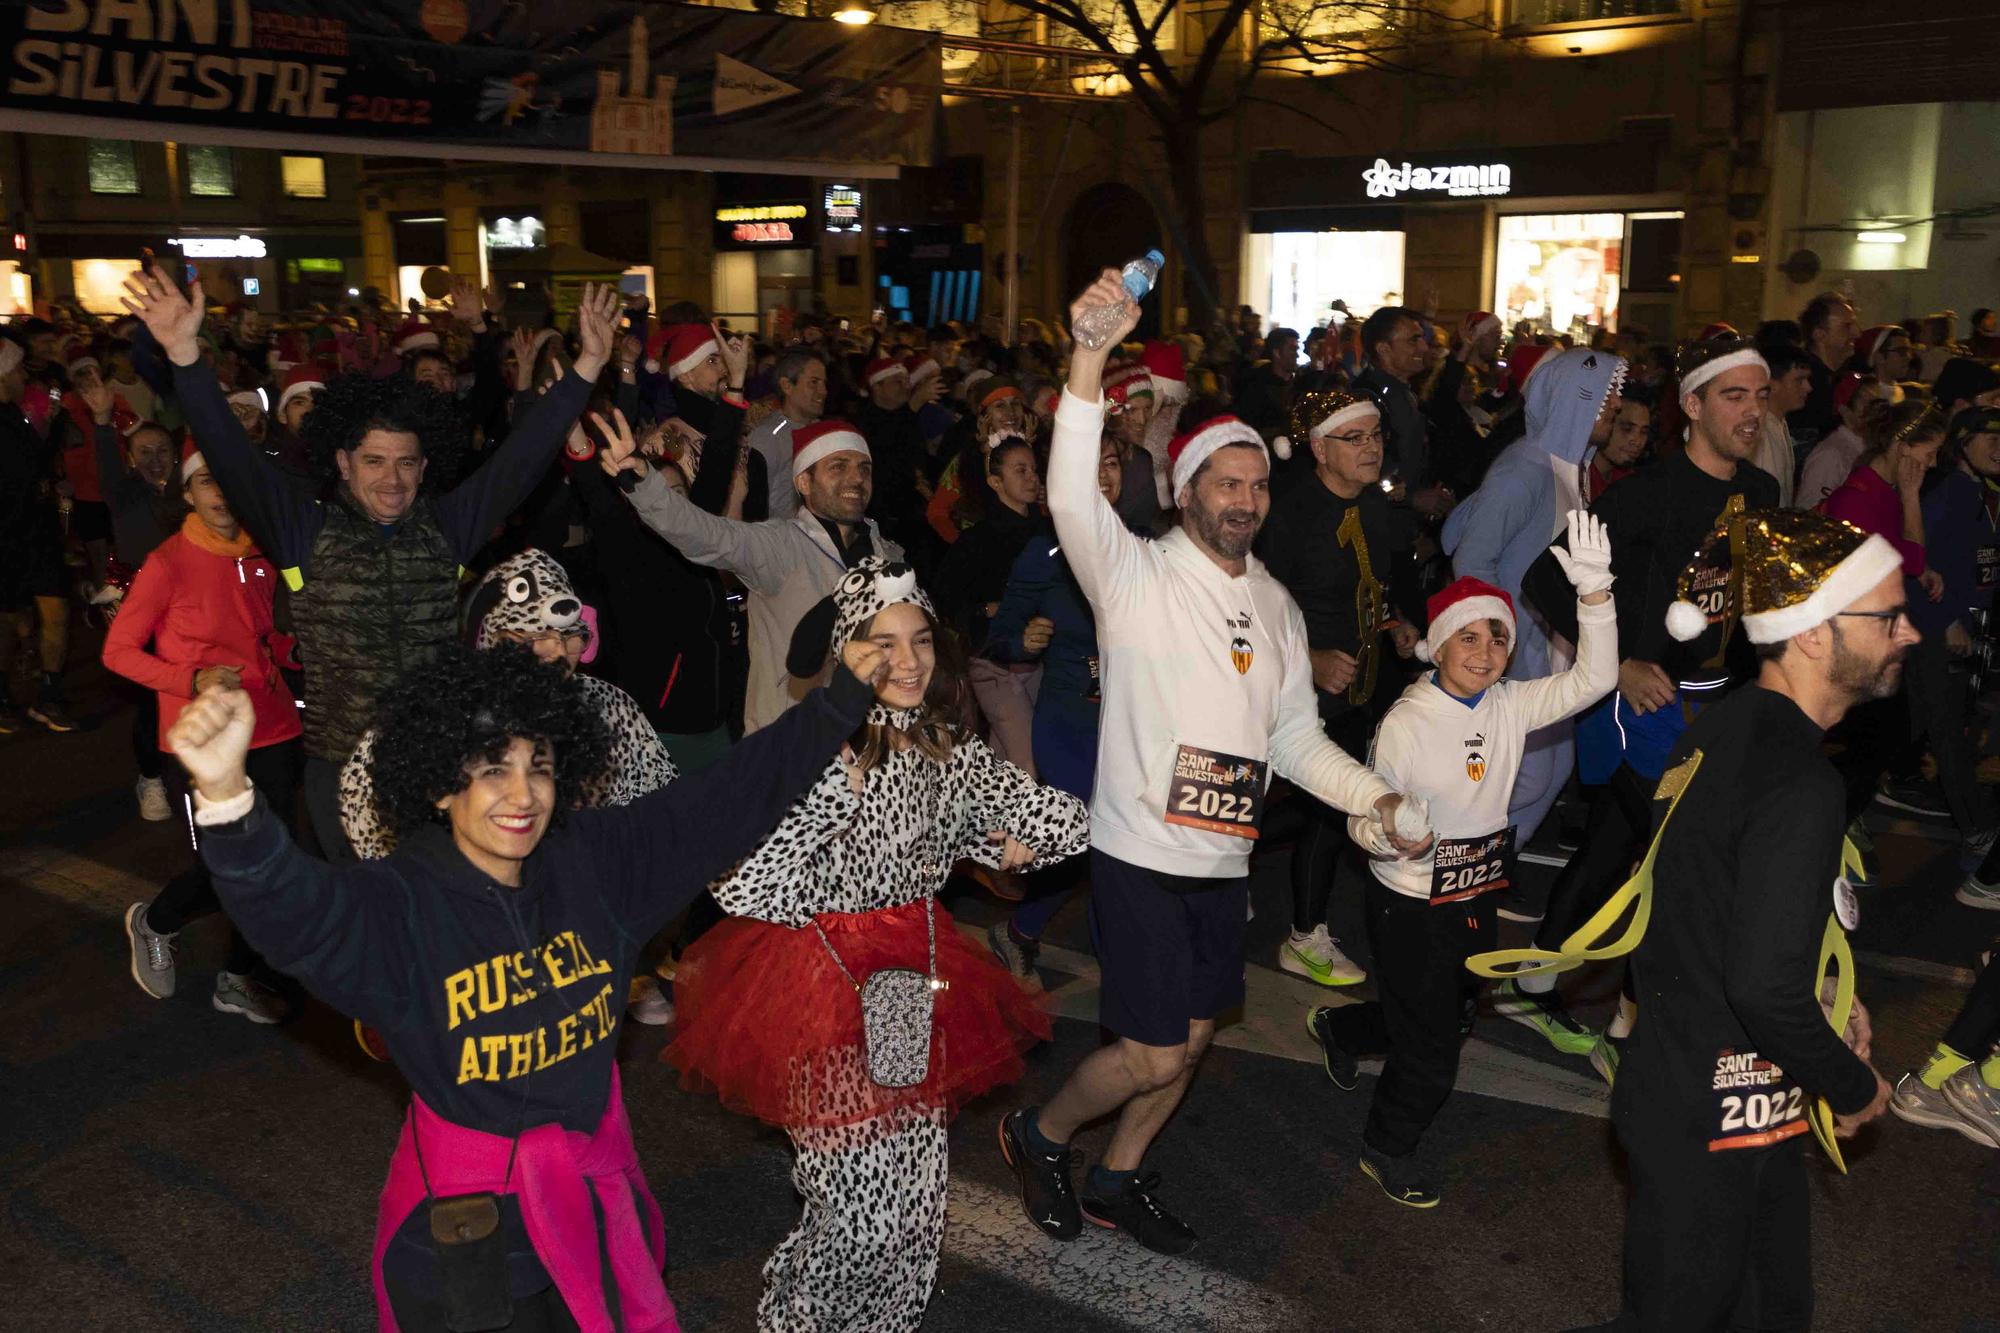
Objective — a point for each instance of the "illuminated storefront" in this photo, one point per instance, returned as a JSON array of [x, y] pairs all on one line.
[[1568, 238], [766, 252]]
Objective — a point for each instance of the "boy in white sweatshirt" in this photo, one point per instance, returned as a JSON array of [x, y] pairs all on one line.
[[1455, 740], [1207, 692]]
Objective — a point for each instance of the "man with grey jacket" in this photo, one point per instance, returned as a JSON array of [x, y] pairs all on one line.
[[788, 564]]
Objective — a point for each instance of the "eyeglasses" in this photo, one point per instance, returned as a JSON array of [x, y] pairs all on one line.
[[1359, 437], [1890, 618]]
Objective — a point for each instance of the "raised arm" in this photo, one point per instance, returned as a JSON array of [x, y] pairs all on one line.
[[331, 928], [758, 553], [285, 523], [671, 844], [471, 510], [1103, 554], [1587, 562]]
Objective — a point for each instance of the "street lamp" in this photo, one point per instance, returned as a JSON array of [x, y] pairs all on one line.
[[854, 12]]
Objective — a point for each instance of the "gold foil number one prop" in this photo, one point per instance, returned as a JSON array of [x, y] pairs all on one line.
[[1833, 950], [1367, 608]]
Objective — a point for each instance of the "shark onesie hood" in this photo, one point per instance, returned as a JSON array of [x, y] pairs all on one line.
[[1563, 396]]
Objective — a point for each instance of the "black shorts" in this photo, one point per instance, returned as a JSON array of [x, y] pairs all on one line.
[[34, 569], [90, 520], [1169, 948]]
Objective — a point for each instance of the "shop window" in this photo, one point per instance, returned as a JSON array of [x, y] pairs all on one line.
[[1548, 13], [1562, 272], [1298, 275], [113, 168], [303, 177], [99, 284], [211, 170]]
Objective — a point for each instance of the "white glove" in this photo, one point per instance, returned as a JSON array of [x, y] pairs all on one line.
[[1588, 559]]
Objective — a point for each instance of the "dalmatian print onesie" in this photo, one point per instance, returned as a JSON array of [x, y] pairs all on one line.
[[768, 1021], [527, 593]]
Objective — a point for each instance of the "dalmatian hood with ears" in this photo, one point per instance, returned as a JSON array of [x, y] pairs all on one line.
[[871, 586], [528, 594]]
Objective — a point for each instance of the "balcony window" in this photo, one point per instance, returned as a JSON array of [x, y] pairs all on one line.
[[304, 177], [1552, 13], [113, 169], [211, 171]]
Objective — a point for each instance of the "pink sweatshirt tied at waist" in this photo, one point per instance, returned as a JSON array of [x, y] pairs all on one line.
[[554, 1176]]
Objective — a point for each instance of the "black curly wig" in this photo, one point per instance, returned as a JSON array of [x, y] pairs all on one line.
[[352, 405], [470, 704]]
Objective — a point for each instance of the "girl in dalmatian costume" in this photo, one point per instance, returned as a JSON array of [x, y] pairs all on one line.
[[527, 598], [771, 1021]]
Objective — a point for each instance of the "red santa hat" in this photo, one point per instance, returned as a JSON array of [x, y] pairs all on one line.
[[302, 378], [1459, 605], [1188, 452], [823, 439], [921, 368], [248, 398], [1844, 387], [883, 368], [414, 336], [1163, 361], [688, 345], [1521, 363], [1872, 341], [1719, 329], [76, 357], [1124, 383], [191, 459], [1477, 323]]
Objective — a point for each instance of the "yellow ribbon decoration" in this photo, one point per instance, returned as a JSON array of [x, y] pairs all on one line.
[[1636, 894]]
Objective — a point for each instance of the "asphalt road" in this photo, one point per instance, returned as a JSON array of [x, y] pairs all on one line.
[[166, 1167]]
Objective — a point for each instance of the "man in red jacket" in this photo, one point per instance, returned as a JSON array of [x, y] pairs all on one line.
[[199, 615]]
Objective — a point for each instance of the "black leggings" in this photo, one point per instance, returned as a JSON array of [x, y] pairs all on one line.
[[1316, 858], [1977, 1026], [190, 895]]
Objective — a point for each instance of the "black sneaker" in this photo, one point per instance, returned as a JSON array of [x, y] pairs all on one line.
[[1913, 795], [1399, 1179], [1135, 1211], [1569, 836], [1046, 1190], [52, 713], [1340, 1066]]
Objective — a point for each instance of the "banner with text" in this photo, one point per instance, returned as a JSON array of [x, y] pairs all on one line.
[[539, 78]]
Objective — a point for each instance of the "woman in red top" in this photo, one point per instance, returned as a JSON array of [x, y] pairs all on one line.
[[202, 601], [1881, 496]]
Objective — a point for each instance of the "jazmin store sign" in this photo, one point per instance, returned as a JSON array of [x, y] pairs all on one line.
[[1386, 182]]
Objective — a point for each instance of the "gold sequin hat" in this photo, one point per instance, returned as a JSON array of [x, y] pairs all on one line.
[[1320, 413], [1781, 571]]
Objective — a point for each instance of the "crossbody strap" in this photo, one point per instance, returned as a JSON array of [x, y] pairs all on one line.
[[930, 923]]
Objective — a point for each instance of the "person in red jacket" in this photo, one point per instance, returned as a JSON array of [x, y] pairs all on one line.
[[199, 615]]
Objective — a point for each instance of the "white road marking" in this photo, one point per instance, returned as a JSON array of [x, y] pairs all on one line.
[[1109, 1275]]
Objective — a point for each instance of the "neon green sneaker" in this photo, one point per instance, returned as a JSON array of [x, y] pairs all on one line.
[[1317, 957], [1604, 1057], [1546, 1014]]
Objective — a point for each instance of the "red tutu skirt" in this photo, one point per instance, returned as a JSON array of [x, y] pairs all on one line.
[[769, 1024]]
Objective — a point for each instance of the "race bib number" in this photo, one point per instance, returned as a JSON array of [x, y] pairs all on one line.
[[1464, 868], [1987, 561], [1218, 793], [1755, 1104]]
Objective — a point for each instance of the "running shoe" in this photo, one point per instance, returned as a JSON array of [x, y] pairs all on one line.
[[1136, 1212], [152, 794], [1047, 1193], [1976, 892], [1919, 1103], [1914, 796], [1569, 836], [1514, 904], [1400, 1179], [1016, 953], [1975, 848], [646, 1003], [238, 994], [1976, 1106], [53, 713], [1340, 1066], [152, 954], [1317, 957], [1605, 1055], [1546, 1014]]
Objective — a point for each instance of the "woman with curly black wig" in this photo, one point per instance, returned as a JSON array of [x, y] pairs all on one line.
[[493, 951], [374, 571]]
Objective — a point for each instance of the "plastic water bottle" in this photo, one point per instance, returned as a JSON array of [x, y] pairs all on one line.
[[1094, 327]]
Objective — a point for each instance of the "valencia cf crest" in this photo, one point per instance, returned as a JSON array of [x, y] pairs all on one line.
[[1242, 654], [1475, 766]]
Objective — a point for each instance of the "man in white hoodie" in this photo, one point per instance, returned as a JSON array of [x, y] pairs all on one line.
[[1207, 689]]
